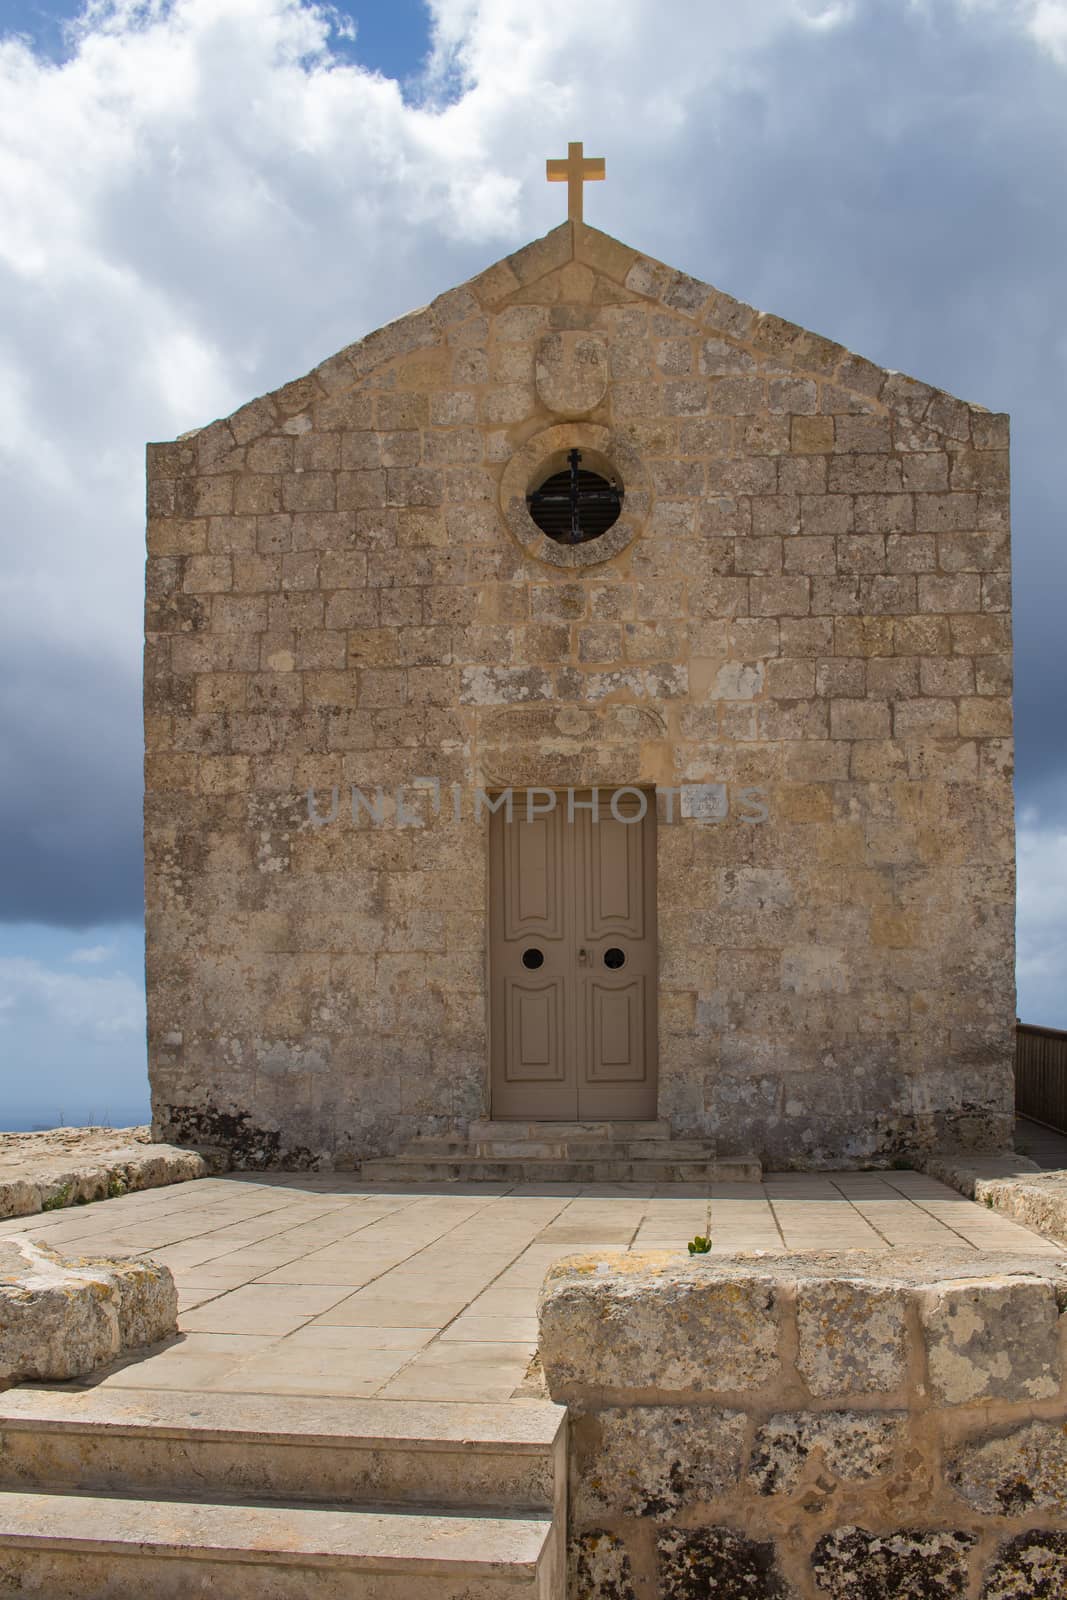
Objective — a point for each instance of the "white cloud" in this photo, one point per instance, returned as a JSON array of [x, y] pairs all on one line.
[[1048, 25], [91, 955], [1042, 921], [98, 1007], [204, 200], [832, 14], [1044, 21]]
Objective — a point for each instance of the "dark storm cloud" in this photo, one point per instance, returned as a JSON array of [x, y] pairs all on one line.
[[898, 185], [70, 789]]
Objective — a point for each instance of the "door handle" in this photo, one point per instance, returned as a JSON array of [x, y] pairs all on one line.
[[583, 957]]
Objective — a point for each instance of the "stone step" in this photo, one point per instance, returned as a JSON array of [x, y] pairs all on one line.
[[567, 1132], [471, 1168], [69, 1547], [623, 1150], [480, 1457]]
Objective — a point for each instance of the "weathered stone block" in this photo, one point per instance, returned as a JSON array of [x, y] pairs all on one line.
[[599, 1568], [62, 1318], [780, 597], [664, 1328], [649, 1461], [696, 1562], [851, 1337], [852, 1564], [864, 474], [854, 1446], [993, 1341], [959, 593], [929, 718], [987, 717], [911, 552], [1032, 1566], [860, 719], [812, 435], [835, 596], [1016, 1473], [826, 513], [863, 434]]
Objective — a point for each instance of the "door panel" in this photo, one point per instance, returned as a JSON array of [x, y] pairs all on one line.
[[536, 1045], [616, 1034], [573, 964], [533, 879], [614, 897], [531, 961]]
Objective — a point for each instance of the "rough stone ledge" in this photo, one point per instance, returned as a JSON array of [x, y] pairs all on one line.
[[811, 1328], [71, 1166], [1012, 1184], [856, 1425], [62, 1318]]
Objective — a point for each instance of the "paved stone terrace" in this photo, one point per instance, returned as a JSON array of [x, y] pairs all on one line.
[[1043, 1145], [305, 1284]]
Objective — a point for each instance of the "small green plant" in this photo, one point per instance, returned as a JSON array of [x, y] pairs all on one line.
[[116, 1185], [700, 1245], [57, 1201], [902, 1164], [989, 1201]]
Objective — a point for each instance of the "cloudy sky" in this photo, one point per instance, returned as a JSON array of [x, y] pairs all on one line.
[[199, 199]]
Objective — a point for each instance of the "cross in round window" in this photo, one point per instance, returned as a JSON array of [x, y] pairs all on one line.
[[575, 506]]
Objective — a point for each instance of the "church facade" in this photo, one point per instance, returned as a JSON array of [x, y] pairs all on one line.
[[586, 698]]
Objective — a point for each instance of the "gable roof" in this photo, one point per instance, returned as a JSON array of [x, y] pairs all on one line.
[[932, 415]]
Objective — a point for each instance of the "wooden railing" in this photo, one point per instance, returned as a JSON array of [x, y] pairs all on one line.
[[1041, 1075]]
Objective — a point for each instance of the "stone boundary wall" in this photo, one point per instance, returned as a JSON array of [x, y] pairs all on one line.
[[36, 1176], [1009, 1184], [850, 1425]]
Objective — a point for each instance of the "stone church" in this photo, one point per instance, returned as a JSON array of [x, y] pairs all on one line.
[[586, 700]]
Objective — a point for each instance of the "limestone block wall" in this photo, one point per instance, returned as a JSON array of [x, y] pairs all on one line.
[[813, 1427], [807, 595]]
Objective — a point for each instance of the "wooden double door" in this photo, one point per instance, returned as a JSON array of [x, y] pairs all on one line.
[[573, 959]]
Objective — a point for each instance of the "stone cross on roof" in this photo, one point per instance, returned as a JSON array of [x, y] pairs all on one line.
[[576, 171]]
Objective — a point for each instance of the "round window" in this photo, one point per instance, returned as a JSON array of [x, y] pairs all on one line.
[[575, 495], [576, 505]]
